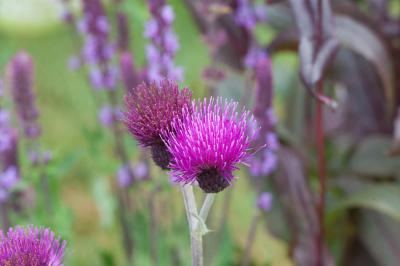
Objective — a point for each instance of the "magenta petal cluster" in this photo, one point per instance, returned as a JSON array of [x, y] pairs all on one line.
[[151, 108], [31, 246], [209, 142]]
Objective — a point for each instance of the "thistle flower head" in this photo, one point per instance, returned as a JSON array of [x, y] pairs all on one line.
[[30, 246], [209, 142], [150, 109]]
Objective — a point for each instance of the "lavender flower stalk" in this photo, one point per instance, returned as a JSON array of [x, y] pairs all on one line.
[[129, 75], [8, 157], [123, 31], [9, 175], [31, 246], [20, 72], [265, 162], [151, 110], [247, 15], [97, 51], [163, 42]]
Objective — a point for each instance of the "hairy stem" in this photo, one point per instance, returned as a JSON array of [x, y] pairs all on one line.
[[153, 228], [250, 239], [191, 213], [207, 204]]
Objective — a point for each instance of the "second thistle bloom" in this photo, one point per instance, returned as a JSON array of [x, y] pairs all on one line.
[[151, 108], [209, 143], [30, 246]]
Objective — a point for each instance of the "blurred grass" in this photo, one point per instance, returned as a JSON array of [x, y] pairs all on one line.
[[70, 130]]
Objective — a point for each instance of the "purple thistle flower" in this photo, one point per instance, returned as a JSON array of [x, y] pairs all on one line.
[[264, 201], [208, 143], [31, 246], [150, 109], [265, 162], [20, 73]]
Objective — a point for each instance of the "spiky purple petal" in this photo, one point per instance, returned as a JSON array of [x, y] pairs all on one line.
[[210, 141], [31, 246], [152, 107]]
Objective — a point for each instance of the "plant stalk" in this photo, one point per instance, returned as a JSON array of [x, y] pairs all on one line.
[[5, 222], [191, 213], [250, 239], [321, 176], [123, 196]]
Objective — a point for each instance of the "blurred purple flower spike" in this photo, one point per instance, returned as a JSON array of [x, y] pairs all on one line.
[[264, 201], [125, 178], [163, 44], [141, 171], [265, 161], [129, 75], [8, 179], [97, 51], [123, 31], [20, 74]]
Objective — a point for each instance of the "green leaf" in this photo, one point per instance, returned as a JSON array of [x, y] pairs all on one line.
[[381, 198], [353, 31], [381, 236], [372, 159]]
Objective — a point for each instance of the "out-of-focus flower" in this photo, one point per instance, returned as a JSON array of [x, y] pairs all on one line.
[[97, 51], [265, 161], [106, 116], [123, 31], [213, 74], [74, 63], [141, 171], [151, 108], [209, 143], [20, 74], [31, 246], [8, 180], [264, 201], [9, 174], [124, 175], [248, 15], [129, 75], [163, 42]]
